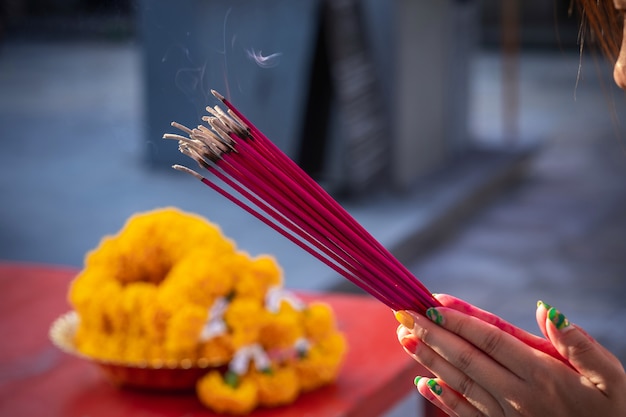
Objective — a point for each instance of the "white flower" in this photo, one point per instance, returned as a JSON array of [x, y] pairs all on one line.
[[276, 295], [215, 324], [243, 356]]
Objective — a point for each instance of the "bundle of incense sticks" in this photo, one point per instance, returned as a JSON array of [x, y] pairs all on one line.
[[252, 172], [249, 170]]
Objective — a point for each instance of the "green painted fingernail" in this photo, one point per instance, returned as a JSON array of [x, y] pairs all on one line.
[[545, 305], [434, 315], [558, 319], [417, 380], [435, 387]]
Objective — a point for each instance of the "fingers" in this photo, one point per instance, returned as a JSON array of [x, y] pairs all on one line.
[[489, 372], [529, 339], [542, 320], [467, 368], [587, 356], [486, 343], [437, 392], [541, 314], [461, 396]]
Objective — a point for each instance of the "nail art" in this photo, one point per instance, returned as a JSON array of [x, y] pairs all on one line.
[[417, 380], [409, 343], [545, 305], [558, 319], [434, 315], [435, 387], [405, 319]]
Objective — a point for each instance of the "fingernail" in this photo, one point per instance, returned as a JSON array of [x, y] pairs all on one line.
[[405, 319], [558, 319], [417, 380], [409, 343], [435, 387], [434, 315], [545, 305]]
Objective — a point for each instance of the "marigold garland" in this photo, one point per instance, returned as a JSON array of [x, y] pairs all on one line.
[[170, 286]]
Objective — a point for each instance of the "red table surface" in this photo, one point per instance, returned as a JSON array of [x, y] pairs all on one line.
[[37, 379]]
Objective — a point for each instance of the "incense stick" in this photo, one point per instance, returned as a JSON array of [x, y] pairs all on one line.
[[250, 171]]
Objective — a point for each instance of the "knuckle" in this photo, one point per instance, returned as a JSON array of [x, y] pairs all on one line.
[[580, 347], [491, 343], [424, 334], [426, 358], [465, 359], [458, 326], [535, 375], [467, 386], [459, 401], [454, 403]]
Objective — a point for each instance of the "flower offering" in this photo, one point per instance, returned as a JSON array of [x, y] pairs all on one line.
[[170, 288]]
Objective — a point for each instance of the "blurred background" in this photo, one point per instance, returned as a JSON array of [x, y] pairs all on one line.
[[470, 137]]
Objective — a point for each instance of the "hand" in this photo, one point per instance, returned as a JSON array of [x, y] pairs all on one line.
[[482, 370], [531, 340]]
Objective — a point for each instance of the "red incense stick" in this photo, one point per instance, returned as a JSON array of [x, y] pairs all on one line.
[[257, 176]]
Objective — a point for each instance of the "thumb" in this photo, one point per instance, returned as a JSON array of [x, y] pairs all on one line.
[[585, 355]]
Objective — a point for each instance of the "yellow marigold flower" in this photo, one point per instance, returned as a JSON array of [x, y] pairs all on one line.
[[87, 306], [200, 277], [170, 299], [183, 330], [319, 320], [221, 397], [281, 329], [102, 347], [134, 297], [255, 276], [277, 386], [86, 341], [99, 313], [193, 231], [154, 351], [266, 269], [146, 294], [140, 258], [218, 350], [112, 311], [154, 317], [136, 349], [82, 292], [246, 286], [245, 317], [321, 363], [104, 254]]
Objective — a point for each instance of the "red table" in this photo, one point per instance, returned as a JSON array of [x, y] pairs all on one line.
[[37, 379]]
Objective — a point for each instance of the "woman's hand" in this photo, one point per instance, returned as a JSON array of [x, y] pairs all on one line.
[[531, 340], [482, 370]]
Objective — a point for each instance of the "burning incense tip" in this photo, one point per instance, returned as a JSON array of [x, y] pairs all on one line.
[[174, 137], [188, 171], [181, 127], [217, 95]]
